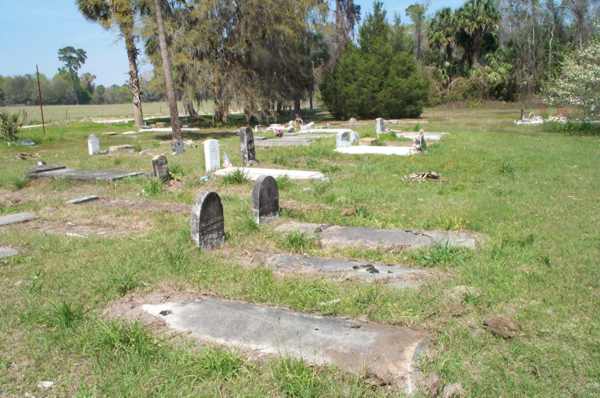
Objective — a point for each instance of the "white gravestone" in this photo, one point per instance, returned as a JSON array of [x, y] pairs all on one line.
[[379, 126], [346, 138], [93, 145], [212, 156]]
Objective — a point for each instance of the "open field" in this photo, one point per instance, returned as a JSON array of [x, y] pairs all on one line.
[[69, 113], [534, 193]]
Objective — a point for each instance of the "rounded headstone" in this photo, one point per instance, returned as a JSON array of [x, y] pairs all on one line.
[[160, 168], [208, 223], [93, 145], [212, 156], [265, 199]]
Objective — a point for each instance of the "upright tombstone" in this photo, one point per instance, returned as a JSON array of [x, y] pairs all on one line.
[[265, 199], [346, 138], [420, 143], [379, 126], [160, 168], [212, 156], [207, 223], [93, 145], [247, 146]]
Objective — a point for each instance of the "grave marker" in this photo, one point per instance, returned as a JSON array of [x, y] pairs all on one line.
[[212, 156], [265, 199], [346, 138], [247, 146], [93, 145], [208, 223], [160, 168], [379, 126]]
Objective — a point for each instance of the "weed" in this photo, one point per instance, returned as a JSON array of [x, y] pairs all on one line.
[[176, 171], [507, 169], [295, 379], [440, 255], [219, 363], [18, 183], [248, 224], [128, 339], [152, 187], [236, 178], [125, 282], [284, 182], [298, 242], [65, 315]]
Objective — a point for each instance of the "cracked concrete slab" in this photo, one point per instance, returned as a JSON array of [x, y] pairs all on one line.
[[397, 276], [84, 175], [6, 252], [378, 150], [338, 236], [386, 352], [253, 173], [16, 218]]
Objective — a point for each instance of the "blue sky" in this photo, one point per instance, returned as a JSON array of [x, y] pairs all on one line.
[[32, 31]]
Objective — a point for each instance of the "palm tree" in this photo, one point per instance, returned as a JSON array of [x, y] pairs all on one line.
[[166, 62], [442, 32], [476, 19], [416, 12], [122, 14]]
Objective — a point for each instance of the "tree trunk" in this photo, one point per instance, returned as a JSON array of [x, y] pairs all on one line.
[[311, 95], [188, 103], [297, 106], [166, 62], [134, 79]]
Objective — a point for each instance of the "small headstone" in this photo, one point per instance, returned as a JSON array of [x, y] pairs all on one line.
[[208, 223], [160, 168], [178, 147], [420, 143], [265, 199], [247, 146], [379, 126], [346, 139], [212, 156], [93, 145]]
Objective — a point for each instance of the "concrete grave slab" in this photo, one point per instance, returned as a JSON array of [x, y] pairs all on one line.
[[6, 252], [338, 236], [253, 173], [377, 150], [285, 141], [397, 275], [428, 136], [82, 199], [169, 129], [389, 353], [16, 218], [85, 175]]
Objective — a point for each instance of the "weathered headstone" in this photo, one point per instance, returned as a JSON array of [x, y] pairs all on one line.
[[265, 199], [420, 143], [379, 126], [178, 147], [247, 146], [212, 156], [208, 223], [93, 145], [160, 168], [346, 139]]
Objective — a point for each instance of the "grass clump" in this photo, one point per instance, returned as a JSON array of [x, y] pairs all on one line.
[[295, 379], [440, 255], [298, 242], [10, 123], [238, 177], [152, 187]]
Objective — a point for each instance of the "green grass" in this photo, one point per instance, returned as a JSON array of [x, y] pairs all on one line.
[[533, 192]]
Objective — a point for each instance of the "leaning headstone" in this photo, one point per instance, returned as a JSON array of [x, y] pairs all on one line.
[[247, 146], [346, 139], [160, 168], [208, 223], [379, 126], [212, 156], [93, 145], [265, 199]]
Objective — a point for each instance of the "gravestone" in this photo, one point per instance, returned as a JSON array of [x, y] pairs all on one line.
[[345, 139], [178, 147], [93, 145], [247, 146], [420, 143], [208, 223], [160, 168], [379, 126], [265, 199], [212, 156]]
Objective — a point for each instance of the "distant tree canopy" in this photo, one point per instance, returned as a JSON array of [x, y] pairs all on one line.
[[375, 79]]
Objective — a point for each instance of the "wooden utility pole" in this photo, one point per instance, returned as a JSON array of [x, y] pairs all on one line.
[[40, 98]]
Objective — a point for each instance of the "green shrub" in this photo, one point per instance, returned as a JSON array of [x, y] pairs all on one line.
[[10, 123]]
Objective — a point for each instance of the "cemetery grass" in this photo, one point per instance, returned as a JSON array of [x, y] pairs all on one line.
[[532, 192]]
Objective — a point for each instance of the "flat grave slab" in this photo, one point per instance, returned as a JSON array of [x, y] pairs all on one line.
[[338, 236], [82, 199], [84, 175], [169, 129], [285, 141], [253, 173], [390, 353], [396, 275], [6, 252], [378, 150], [16, 218], [428, 136], [324, 131]]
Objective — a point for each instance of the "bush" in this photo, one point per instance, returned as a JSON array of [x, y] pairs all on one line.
[[10, 123], [372, 80]]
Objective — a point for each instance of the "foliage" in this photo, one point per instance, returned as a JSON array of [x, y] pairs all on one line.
[[9, 126], [373, 80], [236, 178], [579, 84]]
